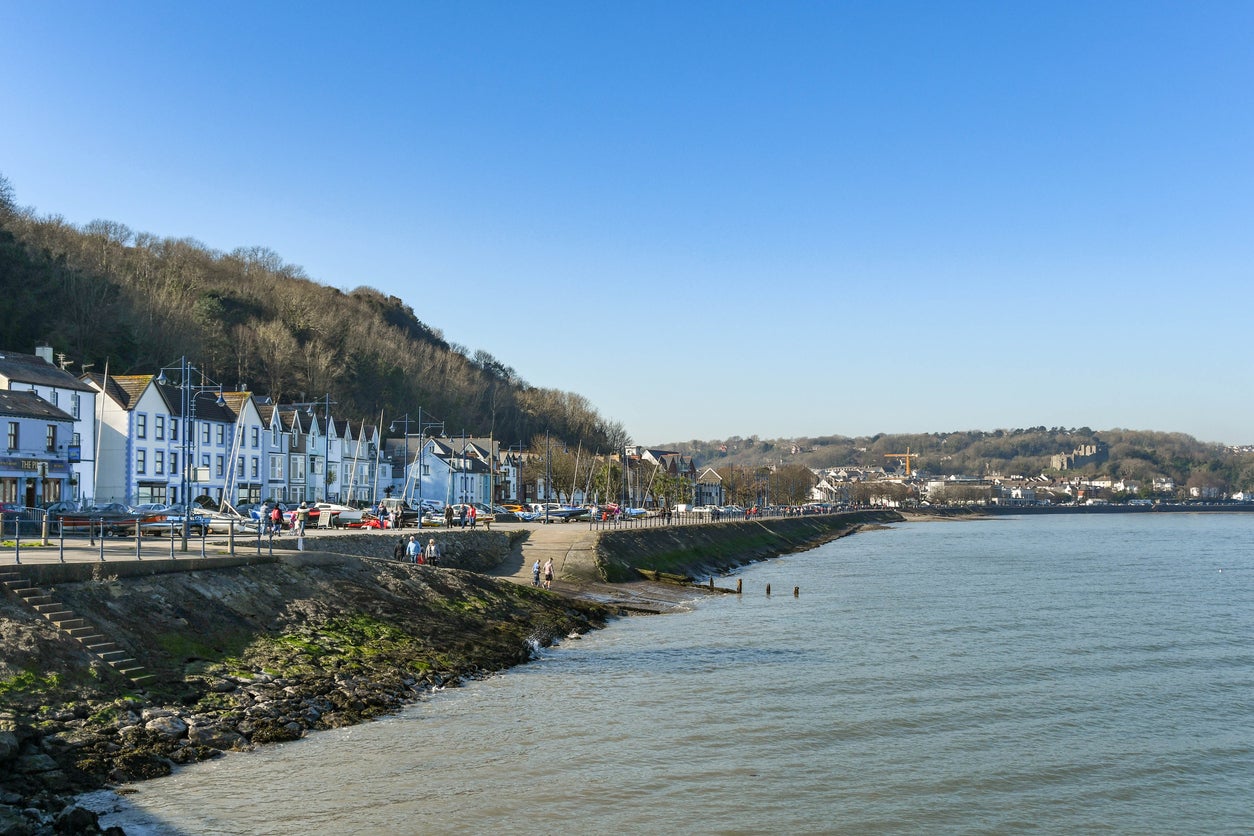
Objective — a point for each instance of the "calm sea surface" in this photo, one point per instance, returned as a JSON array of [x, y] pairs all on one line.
[[1063, 674]]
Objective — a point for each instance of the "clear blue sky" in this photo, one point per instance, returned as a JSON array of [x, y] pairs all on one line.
[[710, 219]]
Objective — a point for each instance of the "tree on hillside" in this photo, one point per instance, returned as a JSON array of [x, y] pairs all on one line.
[[790, 484]]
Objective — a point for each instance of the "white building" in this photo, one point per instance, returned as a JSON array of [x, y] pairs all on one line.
[[35, 468], [36, 373]]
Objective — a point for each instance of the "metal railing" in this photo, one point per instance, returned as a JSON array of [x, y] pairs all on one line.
[[33, 535]]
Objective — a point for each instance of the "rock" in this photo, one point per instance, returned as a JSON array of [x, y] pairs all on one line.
[[34, 762], [168, 726], [217, 737], [9, 745], [76, 819]]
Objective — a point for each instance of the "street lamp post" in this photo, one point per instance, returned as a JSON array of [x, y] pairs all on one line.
[[188, 393], [423, 426], [326, 404]]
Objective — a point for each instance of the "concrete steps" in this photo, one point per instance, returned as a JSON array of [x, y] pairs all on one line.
[[68, 622]]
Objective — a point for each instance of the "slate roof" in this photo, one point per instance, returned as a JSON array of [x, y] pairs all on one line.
[[28, 368], [19, 404]]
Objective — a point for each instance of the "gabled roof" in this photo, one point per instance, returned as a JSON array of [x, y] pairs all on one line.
[[19, 404], [29, 368], [204, 404], [708, 472], [290, 418], [123, 389], [235, 401]]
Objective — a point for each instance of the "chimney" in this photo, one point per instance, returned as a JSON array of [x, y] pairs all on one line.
[[44, 352]]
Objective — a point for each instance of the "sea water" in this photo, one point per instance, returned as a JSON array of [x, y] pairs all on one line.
[[1061, 674]]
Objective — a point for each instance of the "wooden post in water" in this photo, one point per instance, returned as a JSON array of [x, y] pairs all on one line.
[[796, 592], [768, 589], [739, 581], [711, 582]]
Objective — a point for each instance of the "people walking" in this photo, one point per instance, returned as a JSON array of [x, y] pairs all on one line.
[[276, 520], [461, 515], [398, 551], [302, 516], [448, 516], [548, 573], [473, 513], [411, 549], [535, 573], [432, 553]]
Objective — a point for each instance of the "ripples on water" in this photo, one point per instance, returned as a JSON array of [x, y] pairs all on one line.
[[1055, 675]]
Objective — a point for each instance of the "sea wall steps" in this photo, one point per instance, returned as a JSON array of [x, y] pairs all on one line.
[[68, 622]]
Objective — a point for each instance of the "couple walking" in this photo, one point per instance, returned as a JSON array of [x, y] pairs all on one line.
[[548, 574], [417, 554]]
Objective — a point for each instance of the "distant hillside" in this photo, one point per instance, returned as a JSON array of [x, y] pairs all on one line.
[[105, 293], [1132, 454]]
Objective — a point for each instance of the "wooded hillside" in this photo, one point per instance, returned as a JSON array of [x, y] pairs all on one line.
[[105, 293]]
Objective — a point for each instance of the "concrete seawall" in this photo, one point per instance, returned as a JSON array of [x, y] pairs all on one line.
[[694, 551]]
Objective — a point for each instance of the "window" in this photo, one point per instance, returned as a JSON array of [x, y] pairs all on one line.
[[141, 460], [54, 396], [76, 440], [158, 462], [221, 434], [256, 437], [276, 468], [13, 435], [141, 425], [221, 466], [297, 469], [174, 464], [239, 467], [174, 429], [274, 436], [160, 427], [256, 472], [204, 461], [204, 433], [74, 404], [52, 438]]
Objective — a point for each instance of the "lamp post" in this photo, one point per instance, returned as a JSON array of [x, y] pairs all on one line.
[[325, 403], [518, 497], [188, 393], [423, 426]]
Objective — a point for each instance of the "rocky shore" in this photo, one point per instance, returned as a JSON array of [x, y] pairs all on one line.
[[242, 656], [270, 649]]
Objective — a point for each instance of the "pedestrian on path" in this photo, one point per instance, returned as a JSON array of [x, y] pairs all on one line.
[[548, 573], [535, 573], [302, 516], [448, 516], [411, 549], [473, 513], [432, 553]]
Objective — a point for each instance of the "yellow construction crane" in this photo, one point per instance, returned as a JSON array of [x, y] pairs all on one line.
[[905, 457]]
